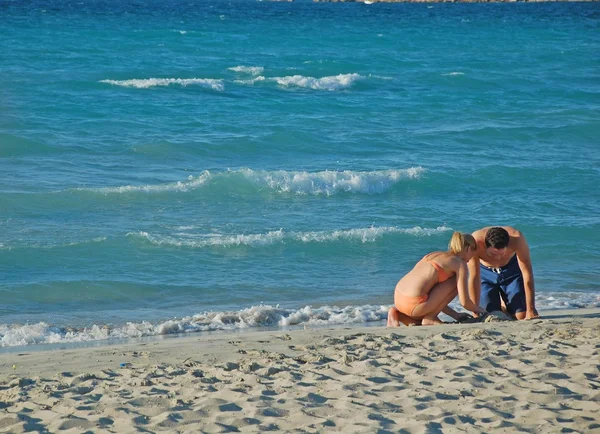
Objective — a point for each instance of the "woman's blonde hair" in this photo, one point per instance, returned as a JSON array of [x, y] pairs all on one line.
[[461, 242]]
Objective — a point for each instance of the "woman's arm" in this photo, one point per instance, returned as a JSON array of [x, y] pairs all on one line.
[[474, 279], [457, 316], [462, 284]]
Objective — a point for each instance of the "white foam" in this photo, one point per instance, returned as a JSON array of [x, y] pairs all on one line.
[[453, 73], [251, 81], [256, 316], [559, 300], [185, 228], [214, 84], [42, 333], [362, 235], [325, 183], [13, 335], [321, 61], [381, 77], [566, 300], [78, 243], [190, 184], [329, 83], [253, 70], [331, 182]]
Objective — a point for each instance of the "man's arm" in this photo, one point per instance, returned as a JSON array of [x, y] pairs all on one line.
[[524, 260]]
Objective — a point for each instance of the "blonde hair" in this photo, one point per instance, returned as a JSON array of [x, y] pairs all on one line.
[[461, 242]]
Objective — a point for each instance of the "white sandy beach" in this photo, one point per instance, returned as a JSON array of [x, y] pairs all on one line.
[[539, 376]]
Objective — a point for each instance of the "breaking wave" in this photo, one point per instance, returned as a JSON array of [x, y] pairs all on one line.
[[256, 316], [362, 235], [325, 183], [145, 83], [253, 70], [329, 83], [14, 335]]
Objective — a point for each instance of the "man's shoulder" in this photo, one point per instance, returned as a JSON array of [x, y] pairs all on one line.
[[480, 233], [513, 232], [516, 237]]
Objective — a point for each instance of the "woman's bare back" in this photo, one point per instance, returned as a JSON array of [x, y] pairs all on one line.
[[419, 281]]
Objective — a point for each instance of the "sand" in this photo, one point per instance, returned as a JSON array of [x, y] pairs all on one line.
[[539, 376]]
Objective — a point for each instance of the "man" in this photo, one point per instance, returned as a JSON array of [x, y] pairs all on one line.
[[501, 272]]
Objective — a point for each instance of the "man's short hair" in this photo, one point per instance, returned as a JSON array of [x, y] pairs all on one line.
[[497, 238]]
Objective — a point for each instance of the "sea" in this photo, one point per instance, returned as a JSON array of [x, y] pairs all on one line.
[[183, 166]]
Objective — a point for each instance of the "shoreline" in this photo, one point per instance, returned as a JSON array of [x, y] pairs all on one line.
[[40, 334], [30, 355], [488, 377]]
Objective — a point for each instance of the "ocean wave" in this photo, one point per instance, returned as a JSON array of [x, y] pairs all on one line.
[[331, 182], [14, 335], [15, 146], [326, 182], [253, 70], [362, 235], [381, 77], [144, 83], [75, 243], [329, 83], [184, 238], [256, 316], [452, 74], [48, 246], [190, 184]]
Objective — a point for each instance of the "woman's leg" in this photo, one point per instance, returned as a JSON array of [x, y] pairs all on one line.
[[395, 317], [439, 297]]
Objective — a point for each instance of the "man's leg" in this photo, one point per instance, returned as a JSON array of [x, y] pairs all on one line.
[[490, 291], [515, 297], [513, 290]]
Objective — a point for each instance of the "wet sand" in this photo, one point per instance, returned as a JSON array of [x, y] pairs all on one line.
[[533, 376]]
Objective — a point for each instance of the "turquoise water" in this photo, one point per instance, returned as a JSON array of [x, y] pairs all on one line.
[[191, 165]]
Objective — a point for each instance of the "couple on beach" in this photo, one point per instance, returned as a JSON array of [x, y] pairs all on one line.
[[490, 271]]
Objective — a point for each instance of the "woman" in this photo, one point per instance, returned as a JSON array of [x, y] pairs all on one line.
[[427, 289]]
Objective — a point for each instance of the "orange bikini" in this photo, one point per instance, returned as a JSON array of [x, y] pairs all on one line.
[[407, 304], [443, 275]]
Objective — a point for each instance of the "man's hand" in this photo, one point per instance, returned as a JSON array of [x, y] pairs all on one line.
[[463, 317], [531, 314], [479, 312]]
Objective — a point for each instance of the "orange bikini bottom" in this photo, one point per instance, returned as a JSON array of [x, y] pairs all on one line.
[[406, 304]]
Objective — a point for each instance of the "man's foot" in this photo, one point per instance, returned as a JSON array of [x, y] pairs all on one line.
[[395, 318]]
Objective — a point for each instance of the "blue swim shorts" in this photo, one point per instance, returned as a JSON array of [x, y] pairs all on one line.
[[505, 282]]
